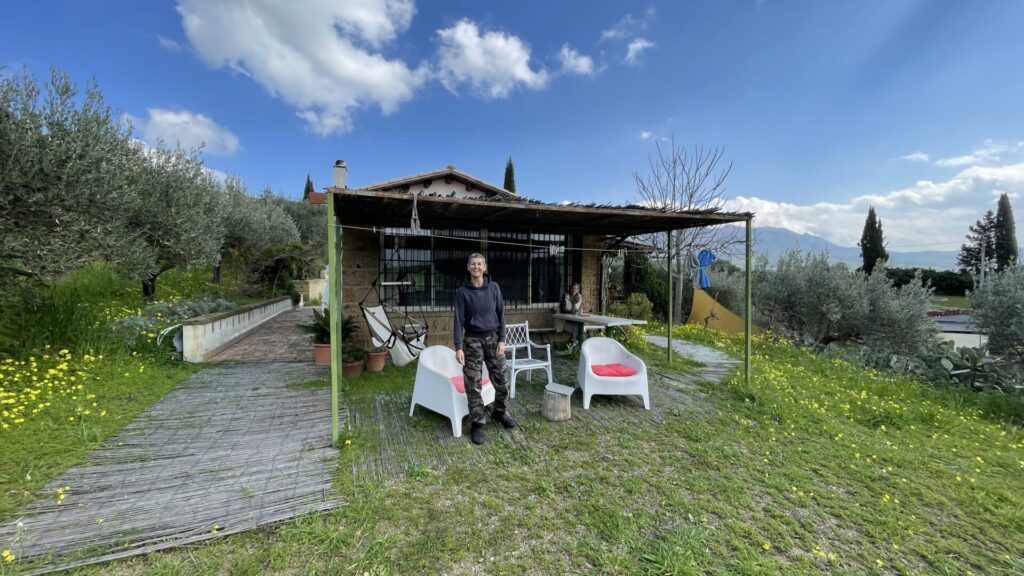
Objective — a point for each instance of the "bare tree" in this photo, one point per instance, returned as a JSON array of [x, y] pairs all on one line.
[[684, 180]]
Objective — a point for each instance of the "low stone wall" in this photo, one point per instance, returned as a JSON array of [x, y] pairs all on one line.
[[204, 336], [310, 289]]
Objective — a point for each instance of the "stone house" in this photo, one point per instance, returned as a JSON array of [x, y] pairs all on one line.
[[412, 236]]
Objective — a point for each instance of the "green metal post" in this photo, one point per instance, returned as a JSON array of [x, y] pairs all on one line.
[[747, 321], [334, 281], [671, 293]]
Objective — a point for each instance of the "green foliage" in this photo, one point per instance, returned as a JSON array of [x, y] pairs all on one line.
[[636, 306], [1005, 236], [999, 312], [179, 213], [982, 234], [72, 182], [510, 176], [872, 242], [632, 337], [945, 282], [816, 302], [320, 328], [309, 188], [274, 268], [640, 277]]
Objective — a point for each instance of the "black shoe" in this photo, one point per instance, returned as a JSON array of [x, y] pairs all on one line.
[[476, 433], [504, 419]]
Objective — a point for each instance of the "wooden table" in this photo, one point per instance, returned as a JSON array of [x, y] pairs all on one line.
[[595, 322]]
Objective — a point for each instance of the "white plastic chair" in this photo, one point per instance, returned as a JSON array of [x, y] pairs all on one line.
[[435, 390], [517, 341], [601, 351]]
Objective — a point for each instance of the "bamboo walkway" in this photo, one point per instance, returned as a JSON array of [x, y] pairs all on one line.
[[425, 441], [234, 447]]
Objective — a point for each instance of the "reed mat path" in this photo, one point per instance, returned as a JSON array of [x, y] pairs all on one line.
[[234, 447], [404, 445]]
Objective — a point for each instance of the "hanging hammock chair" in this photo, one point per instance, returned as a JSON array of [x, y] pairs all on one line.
[[391, 327]]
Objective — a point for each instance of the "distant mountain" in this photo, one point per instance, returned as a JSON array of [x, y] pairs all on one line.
[[775, 241]]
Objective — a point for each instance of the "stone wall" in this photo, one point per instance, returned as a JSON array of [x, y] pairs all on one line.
[[204, 336]]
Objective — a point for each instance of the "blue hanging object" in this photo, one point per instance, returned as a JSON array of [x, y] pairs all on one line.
[[704, 259]]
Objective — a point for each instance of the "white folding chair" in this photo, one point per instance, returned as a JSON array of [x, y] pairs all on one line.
[[518, 343]]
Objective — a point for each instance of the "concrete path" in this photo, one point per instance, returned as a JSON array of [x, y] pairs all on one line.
[[717, 365], [276, 340], [234, 447]]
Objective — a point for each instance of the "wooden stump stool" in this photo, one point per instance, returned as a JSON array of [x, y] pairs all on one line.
[[557, 404]]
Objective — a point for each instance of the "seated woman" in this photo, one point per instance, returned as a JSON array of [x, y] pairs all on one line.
[[572, 303]]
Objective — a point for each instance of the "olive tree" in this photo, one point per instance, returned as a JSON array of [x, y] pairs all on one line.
[[178, 213], [998, 309], [69, 182]]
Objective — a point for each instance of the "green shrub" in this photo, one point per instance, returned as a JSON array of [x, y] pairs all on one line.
[[815, 302], [999, 312], [636, 306]]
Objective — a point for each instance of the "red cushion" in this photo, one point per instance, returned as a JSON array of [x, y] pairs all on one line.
[[612, 370], [460, 383]]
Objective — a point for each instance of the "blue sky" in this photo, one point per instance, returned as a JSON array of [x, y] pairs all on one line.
[[824, 108]]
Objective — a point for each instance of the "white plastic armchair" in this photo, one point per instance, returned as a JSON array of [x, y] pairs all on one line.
[[436, 389], [518, 343], [609, 357]]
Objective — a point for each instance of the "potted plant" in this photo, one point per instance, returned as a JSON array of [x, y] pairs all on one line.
[[375, 359], [352, 358], [320, 332]]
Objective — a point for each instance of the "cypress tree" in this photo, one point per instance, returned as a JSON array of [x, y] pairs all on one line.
[[1005, 236], [510, 176], [309, 188], [983, 233], [872, 242]]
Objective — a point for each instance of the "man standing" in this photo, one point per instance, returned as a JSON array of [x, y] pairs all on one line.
[[480, 312]]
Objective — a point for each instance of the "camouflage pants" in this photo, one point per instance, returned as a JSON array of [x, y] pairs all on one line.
[[480, 351]]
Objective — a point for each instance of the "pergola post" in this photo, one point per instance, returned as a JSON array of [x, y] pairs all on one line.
[[335, 294], [671, 298], [747, 321]]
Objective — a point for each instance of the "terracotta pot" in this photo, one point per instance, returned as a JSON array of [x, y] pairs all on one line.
[[352, 369], [375, 361], [322, 354]]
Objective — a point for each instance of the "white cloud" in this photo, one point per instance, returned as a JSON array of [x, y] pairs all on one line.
[[628, 26], [189, 129], [915, 157], [929, 215], [168, 44], [645, 135], [574, 62], [990, 151], [635, 49], [493, 64], [320, 56]]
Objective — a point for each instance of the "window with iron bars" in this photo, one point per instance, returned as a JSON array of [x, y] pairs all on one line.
[[531, 268]]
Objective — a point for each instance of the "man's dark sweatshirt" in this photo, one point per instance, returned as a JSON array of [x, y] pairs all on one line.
[[479, 311]]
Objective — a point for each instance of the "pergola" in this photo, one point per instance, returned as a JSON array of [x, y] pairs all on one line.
[[378, 209]]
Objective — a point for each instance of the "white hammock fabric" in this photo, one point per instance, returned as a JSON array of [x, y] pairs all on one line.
[[385, 336]]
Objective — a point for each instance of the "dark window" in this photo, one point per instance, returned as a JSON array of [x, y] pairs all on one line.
[[405, 258], [547, 268], [425, 268], [451, 252]]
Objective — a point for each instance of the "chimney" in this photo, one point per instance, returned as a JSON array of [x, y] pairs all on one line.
[[340, 174]]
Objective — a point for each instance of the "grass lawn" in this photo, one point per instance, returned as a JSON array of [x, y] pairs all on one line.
[[73, 410], [951, 301], [816, 467]]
